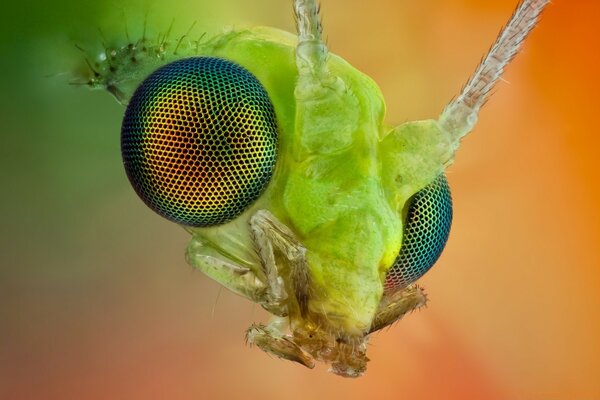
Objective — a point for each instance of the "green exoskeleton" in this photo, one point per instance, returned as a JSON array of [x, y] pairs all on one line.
[[274, 155]]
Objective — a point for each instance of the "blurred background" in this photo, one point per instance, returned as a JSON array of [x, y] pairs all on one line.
[[97, 302]]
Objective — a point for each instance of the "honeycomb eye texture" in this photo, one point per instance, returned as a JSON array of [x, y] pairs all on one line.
[[199, 141], [426, 230]]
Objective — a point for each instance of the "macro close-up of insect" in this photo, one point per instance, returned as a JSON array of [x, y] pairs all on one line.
[[322, 199], [274, 155]]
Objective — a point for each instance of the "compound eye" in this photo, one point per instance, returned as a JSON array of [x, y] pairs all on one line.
[[199, 141], [426, 230]]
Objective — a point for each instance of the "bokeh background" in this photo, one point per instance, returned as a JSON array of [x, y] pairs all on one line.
[[97, 302]]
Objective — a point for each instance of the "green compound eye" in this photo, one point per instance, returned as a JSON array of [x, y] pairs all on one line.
[[426, 230], [199, 141]]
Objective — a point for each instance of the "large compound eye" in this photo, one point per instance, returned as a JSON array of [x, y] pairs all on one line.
[[426, 231], [199, 141]]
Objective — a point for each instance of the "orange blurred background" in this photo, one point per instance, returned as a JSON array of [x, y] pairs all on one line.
[[98, 303]]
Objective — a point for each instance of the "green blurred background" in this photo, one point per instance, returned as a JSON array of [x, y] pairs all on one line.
[[96, 300]]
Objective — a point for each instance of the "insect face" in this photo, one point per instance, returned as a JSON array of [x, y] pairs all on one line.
[[353, 215], [199, 140]]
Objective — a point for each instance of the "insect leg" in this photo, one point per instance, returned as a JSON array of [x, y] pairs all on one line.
[[395, 305], [460, 115], [269, 234], [237, 278]]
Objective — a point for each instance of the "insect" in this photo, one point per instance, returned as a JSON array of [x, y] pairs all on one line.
[[273, 154]]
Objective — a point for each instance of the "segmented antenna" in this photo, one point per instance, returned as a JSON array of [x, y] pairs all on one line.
[[311, 53], [460, 115]]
